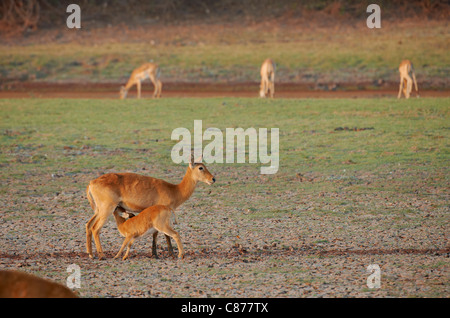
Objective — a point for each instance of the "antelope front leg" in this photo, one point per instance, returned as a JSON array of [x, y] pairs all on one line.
[[128, 249], [125, 242], [400, 88]]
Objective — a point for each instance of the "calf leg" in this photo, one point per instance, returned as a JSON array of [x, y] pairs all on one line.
[[125, 242], [173, 234], [128, 249]]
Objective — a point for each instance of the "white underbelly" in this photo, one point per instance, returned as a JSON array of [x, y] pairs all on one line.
[[142, 76], [150, 232]]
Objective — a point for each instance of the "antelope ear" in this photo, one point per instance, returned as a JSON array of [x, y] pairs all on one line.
[[199, 159]]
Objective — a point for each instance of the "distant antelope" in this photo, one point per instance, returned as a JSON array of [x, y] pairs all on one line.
[[267, 79], [134, 192], [148, 70], [152, 219], [406, 68]]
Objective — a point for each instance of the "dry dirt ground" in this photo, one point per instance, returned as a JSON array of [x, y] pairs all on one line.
[[232, 252], [111, 90]]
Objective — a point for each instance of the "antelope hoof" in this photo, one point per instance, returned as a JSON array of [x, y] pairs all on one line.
[[154, 253]]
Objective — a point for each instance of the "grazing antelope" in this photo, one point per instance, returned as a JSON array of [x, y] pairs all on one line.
[[14, 284], [148, 70], [134, 193], [406, 68], [152, 219], [267, 78]]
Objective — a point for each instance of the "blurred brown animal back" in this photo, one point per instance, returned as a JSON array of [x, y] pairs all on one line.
[[14, 284]]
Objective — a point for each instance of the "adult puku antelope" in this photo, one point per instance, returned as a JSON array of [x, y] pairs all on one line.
[[134, 193], [267, 79], [148, 70], [406, 69]]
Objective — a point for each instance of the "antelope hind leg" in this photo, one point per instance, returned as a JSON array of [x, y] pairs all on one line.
[[169, 245], [89, 225], [154, 253]]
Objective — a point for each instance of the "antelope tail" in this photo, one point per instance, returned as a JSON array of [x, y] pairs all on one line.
[[90, 198]]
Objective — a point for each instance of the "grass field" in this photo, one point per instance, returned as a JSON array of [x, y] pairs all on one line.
[[303, 53], [341, 200]]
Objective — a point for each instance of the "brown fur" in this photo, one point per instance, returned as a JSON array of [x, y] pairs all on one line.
[[134, 193], [15, 284], [157, 217]]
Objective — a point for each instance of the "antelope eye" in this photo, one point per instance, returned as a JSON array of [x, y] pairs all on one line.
[[200, 168]]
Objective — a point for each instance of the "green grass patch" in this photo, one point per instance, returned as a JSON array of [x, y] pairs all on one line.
[[50, 145], [338, 54]]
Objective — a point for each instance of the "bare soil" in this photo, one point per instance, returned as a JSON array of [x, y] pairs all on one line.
[[306, 253], [111, 90]]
